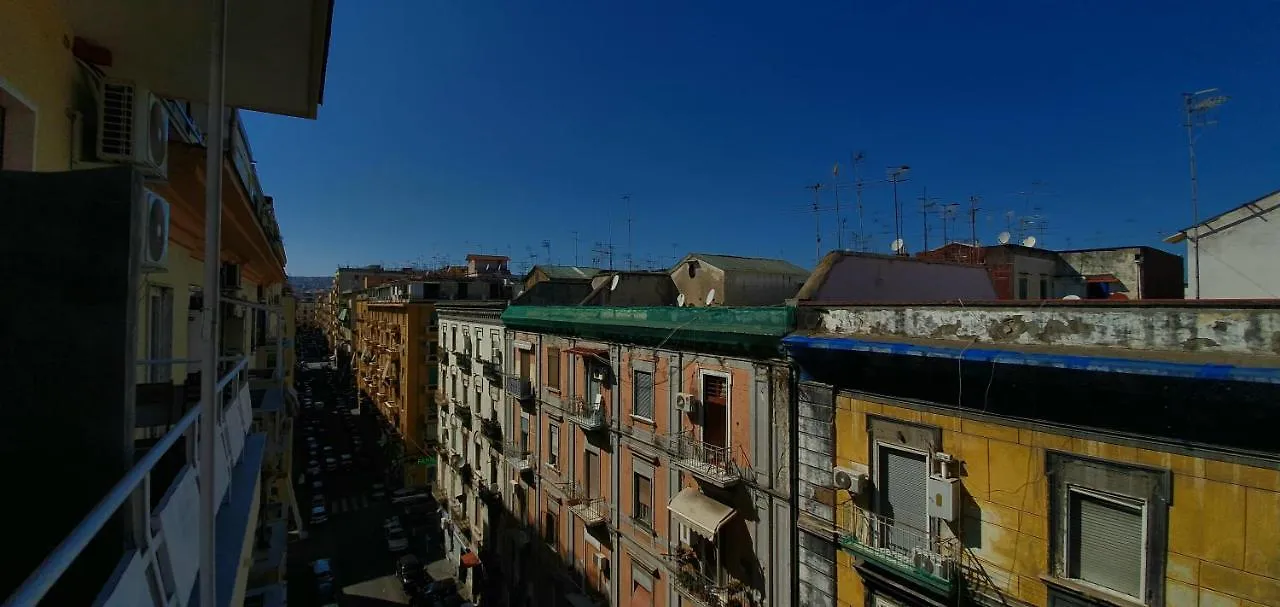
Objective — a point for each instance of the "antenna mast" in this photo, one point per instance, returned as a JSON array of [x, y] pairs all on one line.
[[926, 203], [1197, 106], [575, 248], [898, 174], [856, 161], [817, 223], [973, 218], [546, 246], [835, 189], [626, 198]]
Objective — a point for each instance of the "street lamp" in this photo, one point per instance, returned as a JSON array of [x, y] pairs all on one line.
[[1197, 106]]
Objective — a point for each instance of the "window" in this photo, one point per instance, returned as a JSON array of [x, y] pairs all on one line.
[[715, 390], [479, 341], [1105, 541], [160, 333], [17, 132], [903, 493], [453, 338], [524, 435], [553, 368], [431, 350], [642, 510], [551, 525], [641, 587], [642, 399], [1044, 288], [1022, 287], [553, 445], [1109, 529]]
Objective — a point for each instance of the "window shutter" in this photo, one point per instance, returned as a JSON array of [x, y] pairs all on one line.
[[904, 497], [644, 394], [1106, 543]]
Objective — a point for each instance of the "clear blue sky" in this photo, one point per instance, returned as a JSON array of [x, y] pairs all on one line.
[[450, 127]]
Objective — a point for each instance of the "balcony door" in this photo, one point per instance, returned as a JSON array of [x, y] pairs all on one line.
[[715, 411], [902, 485], [524, 362], [591, 461], [160, 333]]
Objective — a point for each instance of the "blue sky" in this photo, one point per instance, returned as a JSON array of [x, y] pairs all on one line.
[[453, 127]]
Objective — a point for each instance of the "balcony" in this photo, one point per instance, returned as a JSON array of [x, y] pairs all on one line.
[[463, 361], [711, 463], [520, 388], [592, 510], [458, 515], [590, 416], [492, 367], [694, 583], [491, 430], [918, 554], [490, 493], [464, 416]]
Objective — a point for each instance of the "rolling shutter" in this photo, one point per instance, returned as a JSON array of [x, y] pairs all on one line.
[[1106, 543], [904, 497]]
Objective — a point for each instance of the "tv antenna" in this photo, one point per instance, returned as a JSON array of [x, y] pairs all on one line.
[[898, 246], [575, 248], [1198, 106], [626, 200], [926, 204], [546, 246], [896, 175], [856, 160], [601, 252], [948, 214], [835, 190], [1029, 241], [973, 218], [817, 222]]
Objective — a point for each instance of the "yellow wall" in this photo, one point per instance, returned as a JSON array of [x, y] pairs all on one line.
[[183, 271], [1224, 525], [36, 62]]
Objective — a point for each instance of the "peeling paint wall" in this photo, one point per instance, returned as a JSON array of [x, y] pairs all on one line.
[[1248, 331]]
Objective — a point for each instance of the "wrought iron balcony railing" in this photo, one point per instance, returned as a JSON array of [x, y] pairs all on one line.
[[918, 553], [592, 510], [695, 583], [519, 387], [588, 414], [712, 463], [491, 429]]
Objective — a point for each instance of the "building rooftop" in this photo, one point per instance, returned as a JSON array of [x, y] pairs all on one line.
[[1255, 208], [845, 276], [733, 263], [733, 328], [567, 272]]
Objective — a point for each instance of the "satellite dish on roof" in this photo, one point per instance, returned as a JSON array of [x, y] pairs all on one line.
[[711, 296], [1003, 238], [1071, 297], [897, 245], [1029, 241], [614, 283], [680, 300]]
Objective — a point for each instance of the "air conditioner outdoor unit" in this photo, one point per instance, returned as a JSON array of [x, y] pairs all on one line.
[[133, 128], [155, 233], [686, 403], [931, 563], [851, 479]]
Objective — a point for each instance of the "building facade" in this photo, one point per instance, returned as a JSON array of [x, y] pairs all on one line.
[[649, 456], [1049, 456], [1236, 252], [473, 428]]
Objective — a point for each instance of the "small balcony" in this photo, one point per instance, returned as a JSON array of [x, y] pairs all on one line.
[[459, 517], [589, 415], [920, 555], [518, 387], [464, 416], [592, 510], [491, 430], [711, 463], [697, 585], [490, 493], [463, 361], [492, 368]]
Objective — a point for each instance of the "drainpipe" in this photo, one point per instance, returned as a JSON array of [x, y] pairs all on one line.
[[212, 304]]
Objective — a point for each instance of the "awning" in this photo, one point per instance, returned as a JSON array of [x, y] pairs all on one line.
[[641, 597], [1101, 278], [469, 559], [705, 514], [601, 352]]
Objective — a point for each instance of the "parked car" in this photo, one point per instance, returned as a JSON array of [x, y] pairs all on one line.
[[379, 490], [330, 464], [319, 514], [323, 571], [409, 570], [397, 539]]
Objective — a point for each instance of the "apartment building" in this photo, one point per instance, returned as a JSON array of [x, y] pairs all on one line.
[[1230, 255], [650, 451], [473, 429], [1060, 454], [81, 124]]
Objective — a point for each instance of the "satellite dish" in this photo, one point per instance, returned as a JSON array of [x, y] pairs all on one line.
[[1071, 297], [680, 300], [1029, 241], [1003, 238], [711, 296], [897, 245], [616, 279]]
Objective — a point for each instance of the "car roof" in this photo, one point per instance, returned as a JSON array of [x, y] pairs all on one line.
[[321, 565]]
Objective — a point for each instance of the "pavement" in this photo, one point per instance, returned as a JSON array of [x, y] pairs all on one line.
[[353, 537]]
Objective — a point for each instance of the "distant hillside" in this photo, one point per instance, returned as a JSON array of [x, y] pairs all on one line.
[[303, 284]]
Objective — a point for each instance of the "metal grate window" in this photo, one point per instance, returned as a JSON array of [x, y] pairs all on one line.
[[903, 490], [642, 403], [1105, 542]]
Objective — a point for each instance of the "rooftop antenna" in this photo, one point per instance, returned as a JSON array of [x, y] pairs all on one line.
[[1197, 106], [856, 161], [898, 246], [626, 199], [896, 175], [926, 204], [575, 248], [613, 284], [973, 218], [817, 222], [1003, 238], [948, 216], [1029, 241], [835, 189], [546, 246]]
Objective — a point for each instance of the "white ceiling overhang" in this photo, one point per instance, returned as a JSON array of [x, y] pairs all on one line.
[[275, 54]]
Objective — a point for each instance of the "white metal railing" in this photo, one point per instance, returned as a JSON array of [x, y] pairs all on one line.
[[138, 478], [587, 414], [895, 543]]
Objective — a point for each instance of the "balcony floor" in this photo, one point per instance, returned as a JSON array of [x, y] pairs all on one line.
[[235, 514]]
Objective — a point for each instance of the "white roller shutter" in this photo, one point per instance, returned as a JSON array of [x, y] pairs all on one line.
[[1106, 543], [904, 497]]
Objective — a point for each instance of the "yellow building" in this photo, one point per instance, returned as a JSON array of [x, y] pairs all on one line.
[[1049, 455], [67, 74], [394, 339]]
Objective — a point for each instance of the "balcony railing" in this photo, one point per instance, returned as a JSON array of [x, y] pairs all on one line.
[[587, 414], [712, 463], [463, 361], [459, 517], [592, 510], [464, 416], [173, 512], [920, 554], [519, 387], [492, 368], [491, 429], [696, 584]]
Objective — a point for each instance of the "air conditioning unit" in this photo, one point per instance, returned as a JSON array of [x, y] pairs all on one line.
[[942, 497], [133, 128], [851, 479], [155, 233], [230, 276], [932, 563], [686, 403]]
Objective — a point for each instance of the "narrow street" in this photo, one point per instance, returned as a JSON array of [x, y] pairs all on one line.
[[353, 537]]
